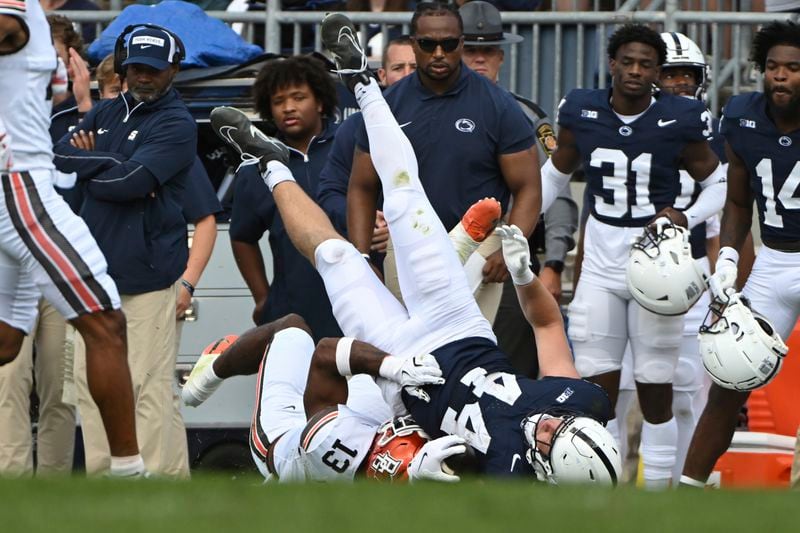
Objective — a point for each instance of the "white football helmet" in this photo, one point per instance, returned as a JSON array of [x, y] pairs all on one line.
[[683, 52], [582, 451], [740, 348], [662, 275]]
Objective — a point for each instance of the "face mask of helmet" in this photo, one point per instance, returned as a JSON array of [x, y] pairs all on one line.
[[740, 348], [396, 443], [581, 451], [683, 52], [662, 276]]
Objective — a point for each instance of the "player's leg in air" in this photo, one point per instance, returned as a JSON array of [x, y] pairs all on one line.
[[434, 285]]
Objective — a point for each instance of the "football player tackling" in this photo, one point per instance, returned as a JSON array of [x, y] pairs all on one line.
[[516, 426]]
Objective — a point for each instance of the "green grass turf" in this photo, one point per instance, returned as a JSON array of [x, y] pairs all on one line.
[[221, 505]]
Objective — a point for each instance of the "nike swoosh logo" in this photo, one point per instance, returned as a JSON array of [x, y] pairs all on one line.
[[145, 46], [406, 124], [662, 123], [516, 457], [102, 131]]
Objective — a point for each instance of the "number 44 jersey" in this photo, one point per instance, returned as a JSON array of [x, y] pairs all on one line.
[[484, 402], [632, 169], [773, 164]]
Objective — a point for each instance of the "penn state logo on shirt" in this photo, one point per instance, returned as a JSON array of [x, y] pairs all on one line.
[[625, 131], [465, 125], [784, 140]]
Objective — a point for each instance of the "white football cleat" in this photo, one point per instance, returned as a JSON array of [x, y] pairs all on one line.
[[202, 381]]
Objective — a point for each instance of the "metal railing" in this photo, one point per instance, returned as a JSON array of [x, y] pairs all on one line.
[[561, 50]]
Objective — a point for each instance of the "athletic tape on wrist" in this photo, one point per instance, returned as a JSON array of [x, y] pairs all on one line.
[[343, 356]]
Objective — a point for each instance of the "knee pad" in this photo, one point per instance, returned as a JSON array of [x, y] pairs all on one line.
[[688, 373], [650, 369], [683, 405], [594, 363], [578, 326], [342, 256]]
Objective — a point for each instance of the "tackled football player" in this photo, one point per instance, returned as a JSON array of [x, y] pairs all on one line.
[[550, 428]]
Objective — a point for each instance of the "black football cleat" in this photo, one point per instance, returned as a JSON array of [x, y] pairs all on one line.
[[340, 39], [253, 145]]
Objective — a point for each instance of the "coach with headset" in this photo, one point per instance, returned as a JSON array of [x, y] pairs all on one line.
[[133, 154]]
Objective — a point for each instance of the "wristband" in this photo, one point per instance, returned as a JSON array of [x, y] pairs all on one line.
[[726, 252], [343, 356], [189, 287]]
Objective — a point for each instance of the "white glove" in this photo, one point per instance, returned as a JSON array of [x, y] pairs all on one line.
[[516, 253], [721, 284], [427, 464], [412, 371], [5, 151], [59, 82]]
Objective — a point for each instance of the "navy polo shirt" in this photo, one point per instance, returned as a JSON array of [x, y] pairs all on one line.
[[458, 137], [135, 182], [296, 285], [200, 200]]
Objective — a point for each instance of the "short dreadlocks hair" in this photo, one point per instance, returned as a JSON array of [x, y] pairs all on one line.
[[292, 71], [435, 8], [637, 33], [773, 34]]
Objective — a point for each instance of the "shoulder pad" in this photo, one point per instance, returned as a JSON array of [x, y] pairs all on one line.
[[739, 105]]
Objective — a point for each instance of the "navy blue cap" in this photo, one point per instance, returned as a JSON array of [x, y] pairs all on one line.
[[150, 46]]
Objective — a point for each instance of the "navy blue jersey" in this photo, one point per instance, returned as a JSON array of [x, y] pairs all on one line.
[[632, 169], [773, 164], [458, 137], [484, 401]]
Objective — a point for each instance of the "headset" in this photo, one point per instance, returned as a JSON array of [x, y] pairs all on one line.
[[120, 47]]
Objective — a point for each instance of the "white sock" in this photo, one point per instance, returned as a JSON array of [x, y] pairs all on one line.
[[686, 418], [658, 453], [276, 173], [464, 244], [129, 466], [366, 94], [691, 482]]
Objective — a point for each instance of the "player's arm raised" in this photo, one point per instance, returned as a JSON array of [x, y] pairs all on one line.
[[539, 307]]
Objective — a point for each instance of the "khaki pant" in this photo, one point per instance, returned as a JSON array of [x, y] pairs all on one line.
[[487, 295], [56, 429], [151, 356]]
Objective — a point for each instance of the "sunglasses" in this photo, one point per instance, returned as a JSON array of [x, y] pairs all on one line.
[[430, 45]]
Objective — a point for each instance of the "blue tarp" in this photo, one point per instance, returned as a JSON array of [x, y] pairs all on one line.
[[209, 42]]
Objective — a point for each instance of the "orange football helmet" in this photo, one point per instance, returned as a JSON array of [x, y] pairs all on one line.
[[396, 443]]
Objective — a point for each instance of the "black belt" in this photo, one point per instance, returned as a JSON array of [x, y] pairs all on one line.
[[785, 246]]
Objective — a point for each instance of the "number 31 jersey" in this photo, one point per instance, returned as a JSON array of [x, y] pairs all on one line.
[[773, 164], [632, 169]]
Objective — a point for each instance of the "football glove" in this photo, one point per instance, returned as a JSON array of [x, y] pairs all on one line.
[[412, 371], [427, 464], [721, 283], [516, 253]]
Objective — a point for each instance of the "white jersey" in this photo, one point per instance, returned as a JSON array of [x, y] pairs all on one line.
[[25, 100], [334, 443]]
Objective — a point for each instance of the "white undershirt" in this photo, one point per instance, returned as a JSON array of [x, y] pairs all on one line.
[[627, 119]]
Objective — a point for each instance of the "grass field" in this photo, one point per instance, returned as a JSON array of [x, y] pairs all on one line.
[[220, 505]]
